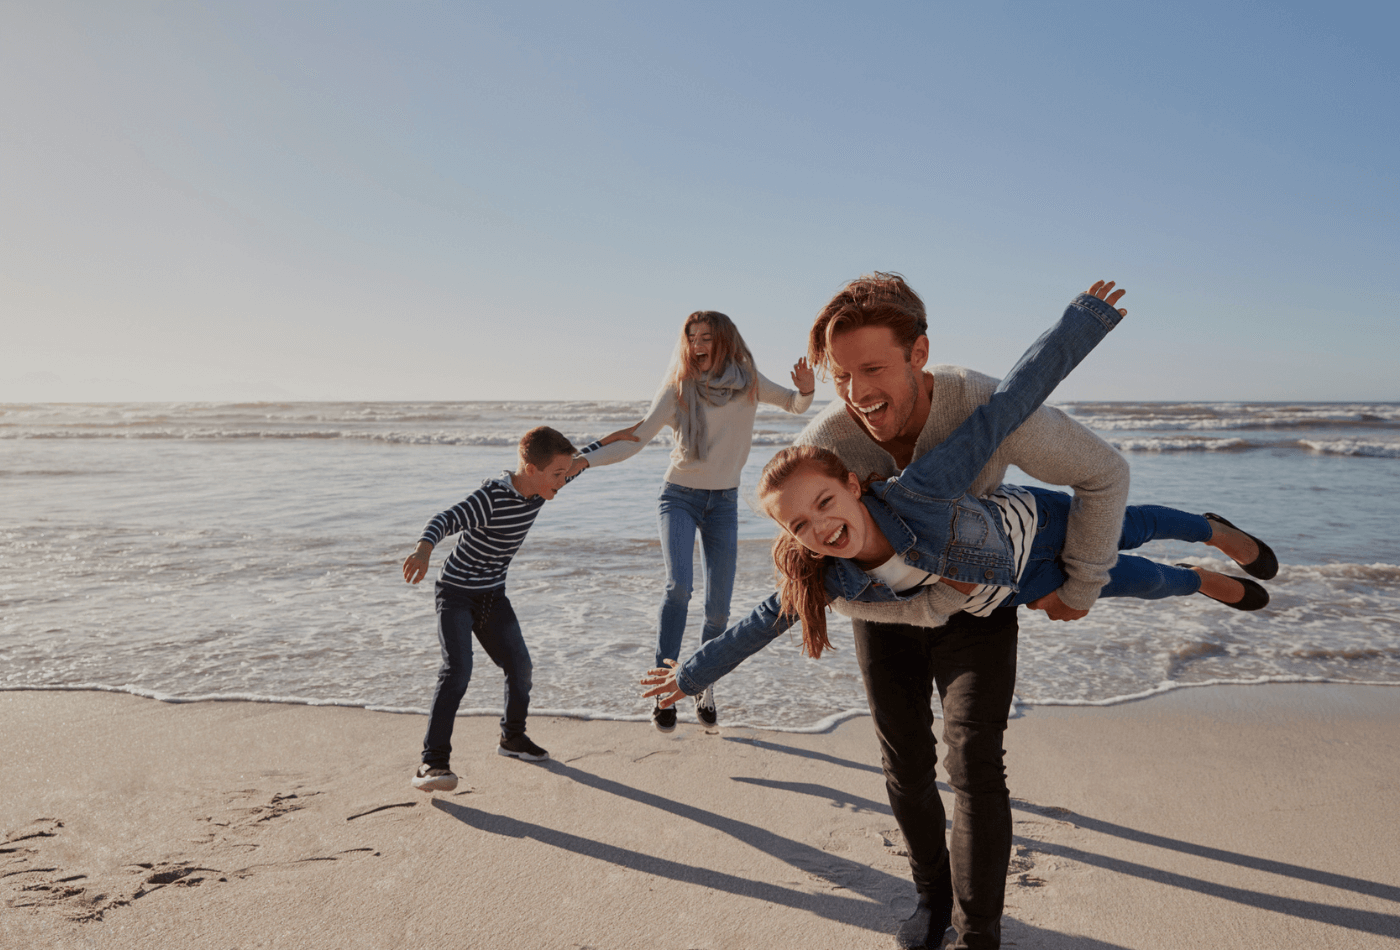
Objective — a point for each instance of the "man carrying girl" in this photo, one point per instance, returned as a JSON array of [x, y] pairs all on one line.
[[908, 561]]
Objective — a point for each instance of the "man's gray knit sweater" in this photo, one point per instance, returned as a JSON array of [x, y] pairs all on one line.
[[1048, 446]]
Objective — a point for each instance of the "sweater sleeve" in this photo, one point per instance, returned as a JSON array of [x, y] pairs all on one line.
[[1053, 448], [789, 400], [662, 413], [930, 607], [1059, 451], [472, 511]]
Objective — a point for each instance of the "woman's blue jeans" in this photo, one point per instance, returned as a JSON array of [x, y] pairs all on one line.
[[489, 614], [1131, 576], [681, 512]]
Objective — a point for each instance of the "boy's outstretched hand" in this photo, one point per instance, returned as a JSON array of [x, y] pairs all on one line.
[[415, 566], [662, 679], [1101, 290]]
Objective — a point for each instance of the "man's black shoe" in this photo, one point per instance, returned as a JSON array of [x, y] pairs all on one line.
[[925, 929]]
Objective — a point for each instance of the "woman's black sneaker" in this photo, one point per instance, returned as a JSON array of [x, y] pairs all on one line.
[[705, 710], [664, 719]]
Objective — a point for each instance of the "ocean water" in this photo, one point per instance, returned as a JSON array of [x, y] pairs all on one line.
[[251, 551]]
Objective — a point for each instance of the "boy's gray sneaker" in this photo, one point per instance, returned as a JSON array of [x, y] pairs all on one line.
[[521, 748], [434, 778], [664, 719], [705, 710]]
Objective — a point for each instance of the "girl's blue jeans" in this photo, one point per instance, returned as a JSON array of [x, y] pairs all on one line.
[[681, 512], [1132, 576], [489, 614]]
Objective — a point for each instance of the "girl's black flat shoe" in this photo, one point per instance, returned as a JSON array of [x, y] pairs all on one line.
[[1265, 566], [1255, 596]]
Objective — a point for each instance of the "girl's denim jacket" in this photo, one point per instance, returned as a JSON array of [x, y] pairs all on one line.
[[925, 511]]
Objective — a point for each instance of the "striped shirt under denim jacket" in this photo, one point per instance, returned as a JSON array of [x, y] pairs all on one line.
[[493, 521]]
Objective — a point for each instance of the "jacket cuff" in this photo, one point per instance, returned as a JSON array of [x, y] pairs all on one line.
[[1108, 315], [687, 685]]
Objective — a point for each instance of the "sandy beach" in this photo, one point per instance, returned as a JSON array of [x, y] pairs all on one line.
[[1217, 816]]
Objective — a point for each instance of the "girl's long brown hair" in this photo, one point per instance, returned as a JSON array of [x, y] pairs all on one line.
[[801, 573], [726, 344]]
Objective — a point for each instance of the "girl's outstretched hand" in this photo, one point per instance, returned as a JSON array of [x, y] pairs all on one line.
[[1101, 290], [803, 378], [662, 679]]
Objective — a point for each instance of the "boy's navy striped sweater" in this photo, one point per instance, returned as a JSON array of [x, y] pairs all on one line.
[[493, 521]]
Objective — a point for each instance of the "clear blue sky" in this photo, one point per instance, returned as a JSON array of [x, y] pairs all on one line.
[[523, 200]]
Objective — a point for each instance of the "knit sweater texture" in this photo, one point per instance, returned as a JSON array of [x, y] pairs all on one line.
[[730, 430]]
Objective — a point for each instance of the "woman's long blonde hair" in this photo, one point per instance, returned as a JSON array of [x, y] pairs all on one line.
[[726, 345], [801, 572]]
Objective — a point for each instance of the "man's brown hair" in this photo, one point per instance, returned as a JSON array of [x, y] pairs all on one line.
[[542, 445], [873, 300]]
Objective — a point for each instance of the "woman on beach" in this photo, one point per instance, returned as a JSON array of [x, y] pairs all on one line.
[[709, 397], [921, 537]]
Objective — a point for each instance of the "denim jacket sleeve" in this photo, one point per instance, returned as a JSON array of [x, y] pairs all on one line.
[[949, 468], [726, 651]]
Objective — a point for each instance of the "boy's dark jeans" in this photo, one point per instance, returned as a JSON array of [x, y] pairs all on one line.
[[490, 616], [972, 661]]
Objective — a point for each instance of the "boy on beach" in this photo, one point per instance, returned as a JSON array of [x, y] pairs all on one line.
[[471, 595]]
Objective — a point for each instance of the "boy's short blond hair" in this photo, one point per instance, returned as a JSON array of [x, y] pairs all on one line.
[[542, 445]]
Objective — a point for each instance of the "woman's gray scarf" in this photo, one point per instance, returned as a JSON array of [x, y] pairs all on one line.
[[712, 389]]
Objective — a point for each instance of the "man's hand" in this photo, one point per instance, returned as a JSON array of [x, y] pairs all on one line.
[[662, 679], [803, 378], [1101, 290], [415, 566], [1053, 606]]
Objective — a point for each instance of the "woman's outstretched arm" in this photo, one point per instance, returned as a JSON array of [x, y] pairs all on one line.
[[628, 442], [795, 401]]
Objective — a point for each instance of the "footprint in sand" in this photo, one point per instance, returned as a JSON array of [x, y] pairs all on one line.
[[43, 886]]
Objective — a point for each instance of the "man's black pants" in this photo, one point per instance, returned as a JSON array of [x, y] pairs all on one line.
[[972, 662]]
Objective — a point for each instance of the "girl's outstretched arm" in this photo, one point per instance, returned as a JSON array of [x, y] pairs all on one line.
[[949, 468], [720, 655]]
